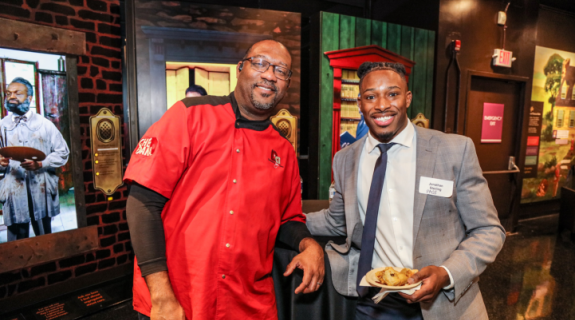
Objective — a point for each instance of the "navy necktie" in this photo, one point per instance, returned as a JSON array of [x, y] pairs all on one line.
[[370, 224]]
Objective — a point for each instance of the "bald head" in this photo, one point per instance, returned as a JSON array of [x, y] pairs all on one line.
[[266, 42]]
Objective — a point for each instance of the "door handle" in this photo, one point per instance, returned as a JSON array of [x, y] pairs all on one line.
[[511, 168]]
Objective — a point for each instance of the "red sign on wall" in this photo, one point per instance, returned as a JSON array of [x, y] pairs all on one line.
[[492, 127]]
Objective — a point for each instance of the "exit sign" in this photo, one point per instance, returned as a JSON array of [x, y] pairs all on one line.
[[502, 58]]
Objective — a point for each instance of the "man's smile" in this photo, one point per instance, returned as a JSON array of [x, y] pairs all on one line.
[[265, 88], [383, 120]]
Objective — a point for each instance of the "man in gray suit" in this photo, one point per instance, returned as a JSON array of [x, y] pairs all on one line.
[[409, 197]]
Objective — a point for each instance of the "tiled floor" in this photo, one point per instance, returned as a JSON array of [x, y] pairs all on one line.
[[532, 278]]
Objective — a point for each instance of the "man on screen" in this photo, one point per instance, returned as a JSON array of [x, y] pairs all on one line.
[[29, 189], [213, 184]]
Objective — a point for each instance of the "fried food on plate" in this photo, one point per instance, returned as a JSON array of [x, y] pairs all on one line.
[[391, 277]]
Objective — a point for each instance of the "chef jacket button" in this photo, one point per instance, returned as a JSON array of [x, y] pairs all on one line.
[[235, 181], [231, 211], [223, 276], [227, 245], [238, 150]]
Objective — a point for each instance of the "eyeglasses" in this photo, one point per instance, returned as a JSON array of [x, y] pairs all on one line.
[[261, 65]]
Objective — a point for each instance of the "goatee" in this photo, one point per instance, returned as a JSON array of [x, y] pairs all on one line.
[[384, 137], [260, 105]]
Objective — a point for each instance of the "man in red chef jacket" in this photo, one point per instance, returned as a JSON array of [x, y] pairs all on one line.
[[208, 200]]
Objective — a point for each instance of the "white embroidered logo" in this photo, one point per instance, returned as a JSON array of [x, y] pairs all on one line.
[[146, 147]]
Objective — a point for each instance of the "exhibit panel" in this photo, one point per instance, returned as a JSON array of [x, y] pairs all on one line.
[[551, 139]]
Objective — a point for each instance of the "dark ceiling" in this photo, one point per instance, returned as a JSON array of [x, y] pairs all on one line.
[[566, 5]]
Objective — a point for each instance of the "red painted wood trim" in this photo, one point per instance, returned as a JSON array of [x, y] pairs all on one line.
[[336, 118]]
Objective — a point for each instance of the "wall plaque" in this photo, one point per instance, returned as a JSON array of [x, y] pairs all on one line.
[[106, 143], [287, 124]]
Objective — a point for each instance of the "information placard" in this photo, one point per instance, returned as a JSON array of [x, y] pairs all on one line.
[[106, 143], [533, 134], [492, 126]]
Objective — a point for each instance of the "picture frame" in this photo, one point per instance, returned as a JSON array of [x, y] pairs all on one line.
[[17, 254]]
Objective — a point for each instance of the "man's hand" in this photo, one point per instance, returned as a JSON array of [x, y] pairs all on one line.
[[434, 279], [165, 306], [4, 161], [31, 165], [310, 260]]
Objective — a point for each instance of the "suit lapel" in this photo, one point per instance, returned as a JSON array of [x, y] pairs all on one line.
[[425, 164], [352, 161]]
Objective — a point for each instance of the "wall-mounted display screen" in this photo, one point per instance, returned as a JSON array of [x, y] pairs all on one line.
[[36, 194]]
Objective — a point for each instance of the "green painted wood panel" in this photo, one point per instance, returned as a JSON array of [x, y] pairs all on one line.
[[393, 37], [406, 50], [330, 23], [406, 47], [346, 32], [429, 73], [379, 33], [419, 74], [362, 32]]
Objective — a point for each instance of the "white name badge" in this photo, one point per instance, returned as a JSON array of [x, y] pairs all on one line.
[[436, 187]]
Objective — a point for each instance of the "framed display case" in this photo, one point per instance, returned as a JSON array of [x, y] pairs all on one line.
[[345, 63]]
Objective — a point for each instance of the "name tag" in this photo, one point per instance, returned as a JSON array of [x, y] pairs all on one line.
[[436, 187]]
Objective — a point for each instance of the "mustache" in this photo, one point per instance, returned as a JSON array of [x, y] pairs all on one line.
[[14, 103]]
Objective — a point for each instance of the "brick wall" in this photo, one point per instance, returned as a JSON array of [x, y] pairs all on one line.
[[99, 86]]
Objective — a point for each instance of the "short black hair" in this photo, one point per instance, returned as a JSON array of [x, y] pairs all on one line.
[[25, 82], [368, 67], [198, 89]]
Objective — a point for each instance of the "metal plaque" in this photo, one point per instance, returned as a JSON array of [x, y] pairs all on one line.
[[287, 125], [420, 120], [106, 143]]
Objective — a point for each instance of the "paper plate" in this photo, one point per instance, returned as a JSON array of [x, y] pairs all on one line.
[[22, 153], [371, 278]]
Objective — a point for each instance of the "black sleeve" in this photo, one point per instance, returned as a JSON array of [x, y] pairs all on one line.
[[292, 233], [144, 213]]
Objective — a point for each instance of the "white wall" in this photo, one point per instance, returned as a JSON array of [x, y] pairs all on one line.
[[45, 61]]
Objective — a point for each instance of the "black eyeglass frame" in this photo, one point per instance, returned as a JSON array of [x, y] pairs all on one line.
[[269, 64]]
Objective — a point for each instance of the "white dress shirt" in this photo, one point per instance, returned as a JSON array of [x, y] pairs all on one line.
[[394, 235], [28, 114]]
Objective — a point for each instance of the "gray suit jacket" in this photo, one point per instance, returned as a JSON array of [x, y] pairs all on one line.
[[462, 232]]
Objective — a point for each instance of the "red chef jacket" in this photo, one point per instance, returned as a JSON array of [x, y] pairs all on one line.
[[231, 183]]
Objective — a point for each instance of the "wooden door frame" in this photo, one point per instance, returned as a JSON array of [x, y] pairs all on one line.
[[519, 147]]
